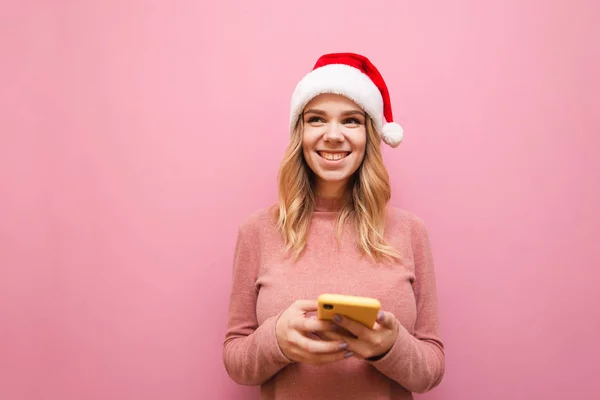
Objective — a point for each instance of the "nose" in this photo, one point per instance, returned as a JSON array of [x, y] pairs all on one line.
[[334, 133]]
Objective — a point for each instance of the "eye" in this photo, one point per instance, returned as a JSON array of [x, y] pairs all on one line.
[[354, 121], [314, 119]]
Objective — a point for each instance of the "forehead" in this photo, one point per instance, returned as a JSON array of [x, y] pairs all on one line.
[[332, 101]]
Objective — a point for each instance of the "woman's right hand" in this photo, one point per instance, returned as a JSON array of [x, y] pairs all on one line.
[[294, 329]]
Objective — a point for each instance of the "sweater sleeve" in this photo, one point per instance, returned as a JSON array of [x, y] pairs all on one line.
[[416, 360], [251, 353]]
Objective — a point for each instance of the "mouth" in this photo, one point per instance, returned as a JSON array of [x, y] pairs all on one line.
[[333, 156]]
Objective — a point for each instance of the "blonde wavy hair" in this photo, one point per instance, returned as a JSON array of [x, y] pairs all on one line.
[[365, 206]]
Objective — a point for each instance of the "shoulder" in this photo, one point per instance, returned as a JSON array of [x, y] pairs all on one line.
[[408, 228], [400, 218], [257, 221]]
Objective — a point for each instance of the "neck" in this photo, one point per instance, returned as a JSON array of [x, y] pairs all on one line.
[[331, 190], [331, 197], [328, 204]]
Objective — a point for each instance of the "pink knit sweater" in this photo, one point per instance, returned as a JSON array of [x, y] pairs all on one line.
[[266, 282]]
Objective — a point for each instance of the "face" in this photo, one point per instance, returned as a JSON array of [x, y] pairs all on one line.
[[333, 141]]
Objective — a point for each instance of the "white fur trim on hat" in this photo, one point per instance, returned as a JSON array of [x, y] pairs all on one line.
[[392, 134], [343, 80]]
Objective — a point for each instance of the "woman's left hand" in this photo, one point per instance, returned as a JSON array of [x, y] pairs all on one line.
[[367, 343]]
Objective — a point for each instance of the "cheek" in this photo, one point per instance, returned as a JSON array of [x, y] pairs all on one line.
[[306, 147], [360, 157], [308, 144], [359, 145], [307, 138]]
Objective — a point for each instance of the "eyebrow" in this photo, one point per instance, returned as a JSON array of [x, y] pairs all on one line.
[[345, 113]]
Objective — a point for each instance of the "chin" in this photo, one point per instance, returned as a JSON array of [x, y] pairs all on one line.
[[335, 177]]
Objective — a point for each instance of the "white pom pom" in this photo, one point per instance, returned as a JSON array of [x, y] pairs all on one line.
[[392, 134]]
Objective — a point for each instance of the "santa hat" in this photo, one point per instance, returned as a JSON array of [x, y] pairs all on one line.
[[354, 76]]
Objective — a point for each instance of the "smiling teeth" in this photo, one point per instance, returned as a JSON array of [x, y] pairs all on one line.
[[333, 156]]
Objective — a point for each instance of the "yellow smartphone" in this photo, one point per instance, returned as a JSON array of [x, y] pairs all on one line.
[[360, 309]]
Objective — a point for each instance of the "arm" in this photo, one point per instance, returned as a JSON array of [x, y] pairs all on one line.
[[251, 353], [417, 360]]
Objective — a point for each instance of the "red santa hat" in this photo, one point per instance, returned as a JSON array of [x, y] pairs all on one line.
[[354, 76]]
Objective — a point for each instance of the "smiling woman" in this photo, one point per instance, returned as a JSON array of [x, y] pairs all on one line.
[[288, 254], [333, 141]]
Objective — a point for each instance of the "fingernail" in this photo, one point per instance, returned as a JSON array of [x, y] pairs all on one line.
[[348, 354], [337, 318], [343, 346], [380, 316]]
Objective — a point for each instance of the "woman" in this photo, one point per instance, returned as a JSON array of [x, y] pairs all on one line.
[[333, 232]]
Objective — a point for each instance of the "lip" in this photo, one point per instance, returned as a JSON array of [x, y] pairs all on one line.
[[347, 153]]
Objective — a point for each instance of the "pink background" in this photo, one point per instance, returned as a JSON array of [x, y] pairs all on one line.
[[135, 136]]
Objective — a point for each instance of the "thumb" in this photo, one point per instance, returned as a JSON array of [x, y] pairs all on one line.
[[386, 319]]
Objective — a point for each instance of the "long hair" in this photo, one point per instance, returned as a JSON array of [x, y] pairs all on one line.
[[365, 206]]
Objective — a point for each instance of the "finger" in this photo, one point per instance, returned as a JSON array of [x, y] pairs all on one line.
[[342, 332], [310, 325], [306, 305], [328, 358], [355, 328], [356, 346], [319, 359], [317, 346], [336, 336], [339, 329], [326, 335], [386, 319], [314, 335], [329, 336]]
